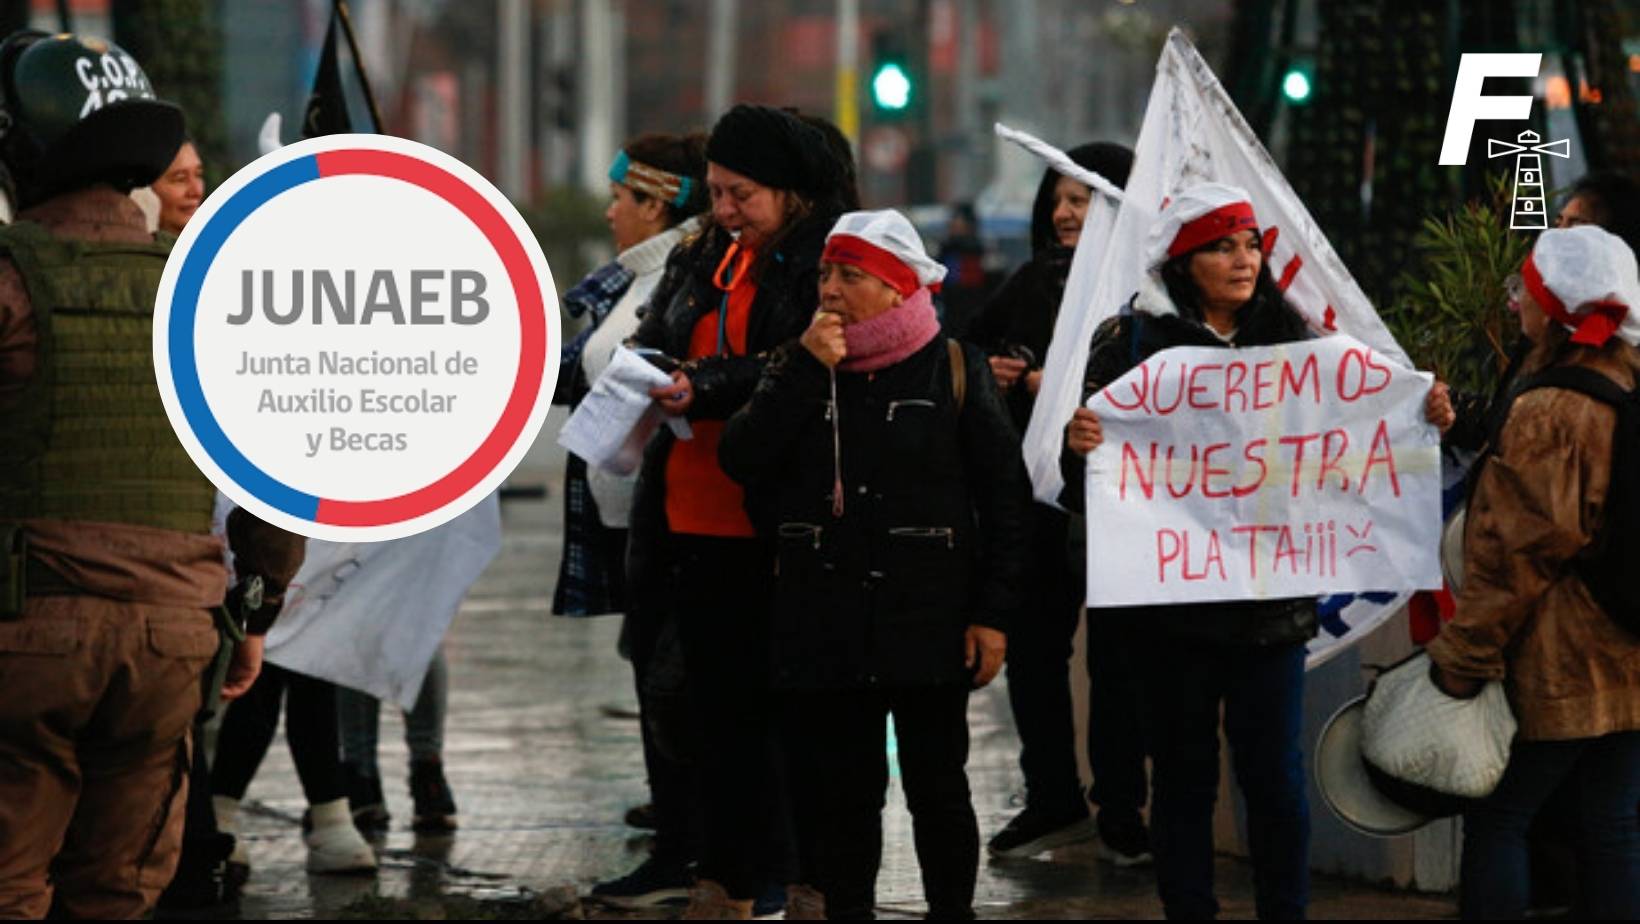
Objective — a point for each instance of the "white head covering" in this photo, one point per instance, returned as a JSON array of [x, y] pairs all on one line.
[[1198, 215], [885, 244], [1585, 278]]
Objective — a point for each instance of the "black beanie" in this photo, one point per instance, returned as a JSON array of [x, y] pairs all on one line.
[[774, 148]]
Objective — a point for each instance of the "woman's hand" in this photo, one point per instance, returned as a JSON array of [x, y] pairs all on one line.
[[985, 647], [1007, 370], [1438, 407], [1033, 381], [824, 338], [675, 398], [243, 669], [1083, 434]]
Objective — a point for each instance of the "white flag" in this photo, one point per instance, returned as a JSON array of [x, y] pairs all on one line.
[[1193, 133], [371, 615]]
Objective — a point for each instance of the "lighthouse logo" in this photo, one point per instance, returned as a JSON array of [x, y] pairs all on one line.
[[1529, 209], [1528, 213]]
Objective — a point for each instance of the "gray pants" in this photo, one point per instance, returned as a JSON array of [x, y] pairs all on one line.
[[360, 715]]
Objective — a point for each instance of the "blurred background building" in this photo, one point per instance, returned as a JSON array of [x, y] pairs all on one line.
[[1351, 96]]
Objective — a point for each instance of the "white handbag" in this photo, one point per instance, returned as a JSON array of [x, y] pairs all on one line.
[[1414, 733]]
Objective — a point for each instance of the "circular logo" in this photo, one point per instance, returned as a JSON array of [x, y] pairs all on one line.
[[356, 337]]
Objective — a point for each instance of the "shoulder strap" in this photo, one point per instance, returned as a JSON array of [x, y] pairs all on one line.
[[959, 372], [1578, 379]]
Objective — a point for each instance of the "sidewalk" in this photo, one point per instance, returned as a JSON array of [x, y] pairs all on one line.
[[544, 767]]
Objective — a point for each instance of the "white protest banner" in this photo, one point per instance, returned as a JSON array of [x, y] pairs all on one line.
[[371, 615], [1295, 470], [1192, 133]]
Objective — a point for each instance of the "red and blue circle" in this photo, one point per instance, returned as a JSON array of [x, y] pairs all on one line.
[[521, 400]]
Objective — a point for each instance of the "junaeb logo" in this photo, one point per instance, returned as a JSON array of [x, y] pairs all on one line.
[[356, 337], [1470, 105]]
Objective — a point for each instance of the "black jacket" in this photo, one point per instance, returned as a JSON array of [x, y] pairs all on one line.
[[1022, 313], [1119, 345], [933, 533], [787, 296]]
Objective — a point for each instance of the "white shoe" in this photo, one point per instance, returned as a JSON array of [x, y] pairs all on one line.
[[334, 845], [226, 809]]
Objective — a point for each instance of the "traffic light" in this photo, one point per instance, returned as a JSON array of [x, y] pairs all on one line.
[[892, 89], [1298, 83]]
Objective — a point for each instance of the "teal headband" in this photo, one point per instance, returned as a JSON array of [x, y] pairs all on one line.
[[653, 181]]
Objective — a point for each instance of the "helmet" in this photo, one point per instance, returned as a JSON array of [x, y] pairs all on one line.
[[76, 110]]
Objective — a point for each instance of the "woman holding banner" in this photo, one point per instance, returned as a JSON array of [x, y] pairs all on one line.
[[1531, 610], [1210, 286]]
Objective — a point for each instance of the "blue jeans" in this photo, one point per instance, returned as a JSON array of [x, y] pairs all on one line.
[[1604, 778], [1262, 692], [359, 715]]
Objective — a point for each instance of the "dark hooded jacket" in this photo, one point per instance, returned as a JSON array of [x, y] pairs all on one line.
[[1023, 311]]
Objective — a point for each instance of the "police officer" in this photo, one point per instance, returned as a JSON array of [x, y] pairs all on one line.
[[110, 572]]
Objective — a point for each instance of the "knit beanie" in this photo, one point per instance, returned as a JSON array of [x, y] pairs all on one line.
[[774, 148]]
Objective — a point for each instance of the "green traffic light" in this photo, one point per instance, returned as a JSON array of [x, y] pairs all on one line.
[[1296, 86], [891, 87]]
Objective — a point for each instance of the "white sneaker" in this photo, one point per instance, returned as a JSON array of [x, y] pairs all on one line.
[[226, 809], [334, 845]]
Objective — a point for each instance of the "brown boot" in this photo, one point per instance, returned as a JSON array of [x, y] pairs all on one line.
[[709, 901], [805, 903]]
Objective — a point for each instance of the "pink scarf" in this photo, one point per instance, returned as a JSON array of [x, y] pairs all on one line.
[[892, 336]]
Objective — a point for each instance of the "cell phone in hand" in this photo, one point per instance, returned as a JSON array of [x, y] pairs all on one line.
[[658, 359]]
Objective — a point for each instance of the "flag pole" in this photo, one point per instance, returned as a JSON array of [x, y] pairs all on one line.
[[358, 63]]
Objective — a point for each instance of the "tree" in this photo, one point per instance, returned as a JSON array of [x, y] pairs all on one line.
[[1365, 153], [179, 45]]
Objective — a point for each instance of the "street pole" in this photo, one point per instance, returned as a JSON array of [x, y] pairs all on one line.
[[968, 126], [720, 58], [848, 70], [596, 86], [513, 31], [560, 146]]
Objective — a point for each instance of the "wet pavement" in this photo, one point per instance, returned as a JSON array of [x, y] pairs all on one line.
[[544, 759]]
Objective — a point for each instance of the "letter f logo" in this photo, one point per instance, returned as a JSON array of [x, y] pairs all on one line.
[[1470, 106]]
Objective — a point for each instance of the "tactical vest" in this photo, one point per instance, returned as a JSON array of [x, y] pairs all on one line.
[[89, 439]]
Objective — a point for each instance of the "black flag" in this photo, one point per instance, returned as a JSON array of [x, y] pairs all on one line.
[[327, 112], [327, 104]]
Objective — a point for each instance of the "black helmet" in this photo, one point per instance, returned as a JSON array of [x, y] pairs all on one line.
[[76, 110]]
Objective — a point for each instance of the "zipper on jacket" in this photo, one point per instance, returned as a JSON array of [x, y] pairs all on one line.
[[907, 402], [926, 532], [809, 531]]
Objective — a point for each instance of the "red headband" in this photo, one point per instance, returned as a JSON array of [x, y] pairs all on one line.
[[1221, 222], [1592, 329], [855, 251]]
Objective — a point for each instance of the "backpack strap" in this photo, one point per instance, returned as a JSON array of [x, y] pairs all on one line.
[[1572, 378], [959, 373], [1578, 379]]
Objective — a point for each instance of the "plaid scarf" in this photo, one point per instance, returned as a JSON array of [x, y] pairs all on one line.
[[594, 295]]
